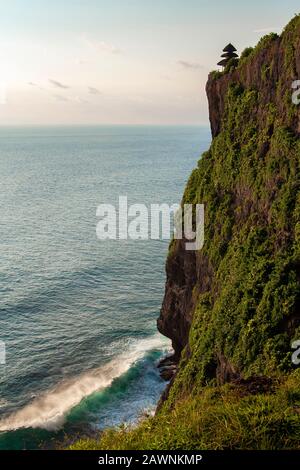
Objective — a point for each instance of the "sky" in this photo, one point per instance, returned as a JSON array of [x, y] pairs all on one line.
[[74, 62]]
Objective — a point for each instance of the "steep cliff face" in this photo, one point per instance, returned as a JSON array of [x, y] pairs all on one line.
[[232, 309], [270, 69], [185, 271], [176, 314]]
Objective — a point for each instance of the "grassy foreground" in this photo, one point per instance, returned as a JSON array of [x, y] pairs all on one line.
[[221, 417]]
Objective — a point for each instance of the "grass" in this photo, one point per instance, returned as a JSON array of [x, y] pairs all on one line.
[[220, 417]]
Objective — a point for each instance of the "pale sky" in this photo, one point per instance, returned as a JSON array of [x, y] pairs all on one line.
[[121, 61]]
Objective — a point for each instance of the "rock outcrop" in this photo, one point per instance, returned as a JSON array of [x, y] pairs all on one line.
[[233, 307], [269, 70]]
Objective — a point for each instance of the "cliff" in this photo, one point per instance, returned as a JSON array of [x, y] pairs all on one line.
[[241, 291], [232, 309]]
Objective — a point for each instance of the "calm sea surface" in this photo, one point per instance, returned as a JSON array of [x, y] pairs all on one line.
[[78, 315]]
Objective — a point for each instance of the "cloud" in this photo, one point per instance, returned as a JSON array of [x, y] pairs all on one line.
[[189, 65], [94, 91], [60, 98], [58, 84], [101, 46], [79, 100], [72, 99], [35, 85]]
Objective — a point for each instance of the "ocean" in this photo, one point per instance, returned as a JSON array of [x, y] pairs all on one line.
[[78, 314]]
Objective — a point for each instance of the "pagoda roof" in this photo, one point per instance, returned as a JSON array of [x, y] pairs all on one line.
[[229, 48], [229, 54], [223, 62]]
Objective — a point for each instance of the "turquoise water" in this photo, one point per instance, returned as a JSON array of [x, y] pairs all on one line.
[[78, 315]]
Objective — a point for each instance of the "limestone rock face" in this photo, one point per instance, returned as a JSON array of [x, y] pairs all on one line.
[[251, 168], [270, 70]]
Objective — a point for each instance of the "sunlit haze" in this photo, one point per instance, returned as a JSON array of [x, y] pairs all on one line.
[[117, 62]]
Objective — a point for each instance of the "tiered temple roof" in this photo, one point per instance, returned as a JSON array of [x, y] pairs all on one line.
[[229, 52]]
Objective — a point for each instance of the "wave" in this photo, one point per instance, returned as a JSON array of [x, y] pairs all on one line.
[[3, 403], [49, 410]]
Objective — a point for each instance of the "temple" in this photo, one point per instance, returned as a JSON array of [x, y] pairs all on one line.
[[229, 52]]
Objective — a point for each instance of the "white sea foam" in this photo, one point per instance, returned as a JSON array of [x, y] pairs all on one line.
[[49, 410], [3, 403]]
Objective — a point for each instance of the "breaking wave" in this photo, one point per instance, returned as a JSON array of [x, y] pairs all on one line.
[[49, 410]]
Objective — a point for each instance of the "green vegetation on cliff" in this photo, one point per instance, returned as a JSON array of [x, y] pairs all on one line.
[[224, 417], [236, 386]]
